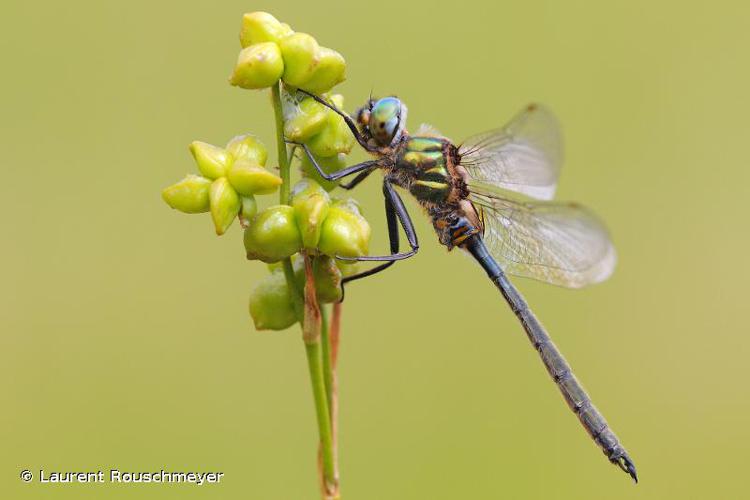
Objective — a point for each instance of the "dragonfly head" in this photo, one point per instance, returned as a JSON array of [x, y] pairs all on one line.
[[383, 120]]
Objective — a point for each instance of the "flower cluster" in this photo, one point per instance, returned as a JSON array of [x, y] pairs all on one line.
[[272, 51], [231, 176], [313, 221]]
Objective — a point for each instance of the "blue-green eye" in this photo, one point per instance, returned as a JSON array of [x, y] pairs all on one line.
[[385, 119]]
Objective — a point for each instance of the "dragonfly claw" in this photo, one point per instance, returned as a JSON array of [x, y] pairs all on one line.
[[627, 465]]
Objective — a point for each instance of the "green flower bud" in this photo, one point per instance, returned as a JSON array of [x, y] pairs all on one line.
[[258, 27], [329, 71], [310, 202], [190, 195], [225, 204], [273, 234], [328, 165], [308, 119], [248, 147], [345, 232], [299, 52], [326, 274], [248, 209], [212, 160], [258, 66], [249, 179], [336, 137], [271, 303]]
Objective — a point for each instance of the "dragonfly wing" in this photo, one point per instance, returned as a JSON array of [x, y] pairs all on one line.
[[524, 156], [427, 130], [559, 243]]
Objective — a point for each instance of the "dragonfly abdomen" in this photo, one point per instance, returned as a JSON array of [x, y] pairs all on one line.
[[559, 369]]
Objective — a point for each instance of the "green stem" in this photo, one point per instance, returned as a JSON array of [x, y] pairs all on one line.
[[309, 316], [281, 146], [314, 356]]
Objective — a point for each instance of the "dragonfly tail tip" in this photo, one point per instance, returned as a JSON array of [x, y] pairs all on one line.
[[628, 466]]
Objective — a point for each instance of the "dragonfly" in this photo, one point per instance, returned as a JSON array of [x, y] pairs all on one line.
[[491, 196]]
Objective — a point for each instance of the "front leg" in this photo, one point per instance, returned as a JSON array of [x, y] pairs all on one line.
[[359, 167], [348, 119]]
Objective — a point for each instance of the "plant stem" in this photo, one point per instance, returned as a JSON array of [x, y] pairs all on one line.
[[281, 146], [311, 333], [310, 318]]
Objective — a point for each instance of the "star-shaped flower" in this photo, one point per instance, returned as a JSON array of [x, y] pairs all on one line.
[[231, 177]]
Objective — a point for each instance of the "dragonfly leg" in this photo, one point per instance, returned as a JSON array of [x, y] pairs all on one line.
[[348, 119], [353, 169], [397, 206], [393, 238], [355, 182]]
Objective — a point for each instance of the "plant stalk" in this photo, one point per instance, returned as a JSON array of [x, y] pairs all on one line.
[[310, 319]]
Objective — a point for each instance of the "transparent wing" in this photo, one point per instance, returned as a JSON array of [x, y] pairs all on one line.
[[427, 130], [524, 156], [559, 243]]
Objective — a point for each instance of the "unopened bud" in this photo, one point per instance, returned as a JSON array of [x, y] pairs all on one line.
[[258, 66], [345, 232], [258, 27], [212, 160], [271, 303], [272, 235], [329, 71], [225, 204], [190, 195], [310, 202], [248, 209], [248, 147], [249, 179], [299, 52], [309, 119]]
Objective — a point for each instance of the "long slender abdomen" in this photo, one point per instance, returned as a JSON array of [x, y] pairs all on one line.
[[559, 369]]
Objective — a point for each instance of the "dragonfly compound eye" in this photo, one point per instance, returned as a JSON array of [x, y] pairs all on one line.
[[385, 120]]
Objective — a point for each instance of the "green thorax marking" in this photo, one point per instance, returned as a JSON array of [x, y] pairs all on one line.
[[424, 158]]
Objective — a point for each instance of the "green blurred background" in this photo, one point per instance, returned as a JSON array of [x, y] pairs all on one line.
[[125, 341]]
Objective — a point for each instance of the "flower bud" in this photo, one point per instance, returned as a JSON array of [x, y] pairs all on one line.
[[212, 160], [299, 52], [308, 119], [258, 27], [248, 147], [258, 66], [248, 209], [310, 202], [336, 137], [249, 179], [225, 204], [328, 165], [326, 274], [327, 279], [345, 232], [329, 71], [271, 303], [190, 195], [273, 235]]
